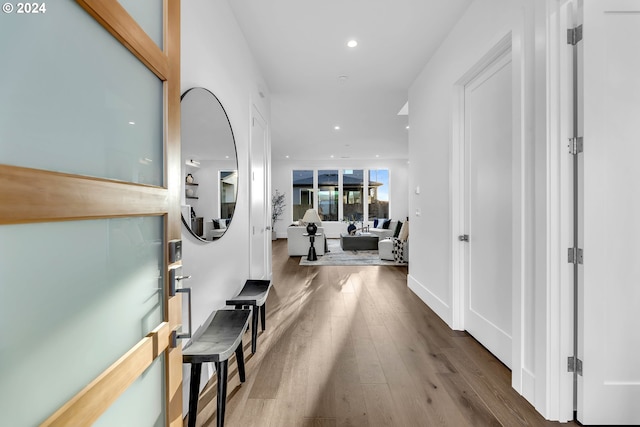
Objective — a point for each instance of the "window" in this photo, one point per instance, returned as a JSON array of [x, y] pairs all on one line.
[[302, 198], [352, 194], [328, 195], [349, 194], [378, 193]]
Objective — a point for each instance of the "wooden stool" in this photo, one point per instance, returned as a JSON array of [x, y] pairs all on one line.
[[254, 293], [221, 335]]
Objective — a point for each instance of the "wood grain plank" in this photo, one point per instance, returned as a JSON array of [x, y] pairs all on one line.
[[256, 411], [87, 406], [468, 402], [33, 195], [380, 408]]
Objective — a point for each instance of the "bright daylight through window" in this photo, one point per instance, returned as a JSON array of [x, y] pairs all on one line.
[[323, 190]]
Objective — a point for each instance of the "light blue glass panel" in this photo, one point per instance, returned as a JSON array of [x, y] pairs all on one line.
[[74, 297], [73, 99], [148, 14], [142, 405]]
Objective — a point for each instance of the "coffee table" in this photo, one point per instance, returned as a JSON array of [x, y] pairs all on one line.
[[359, 242]]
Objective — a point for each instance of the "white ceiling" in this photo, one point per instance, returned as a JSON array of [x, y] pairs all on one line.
[[300, 47]]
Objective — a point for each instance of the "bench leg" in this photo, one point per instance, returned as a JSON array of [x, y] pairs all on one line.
[[240, 361], [263, 315], [221, 370], [254, 329], [194, 391]]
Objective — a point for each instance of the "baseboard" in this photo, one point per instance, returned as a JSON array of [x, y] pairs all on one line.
[[440, 307], [528, 385]]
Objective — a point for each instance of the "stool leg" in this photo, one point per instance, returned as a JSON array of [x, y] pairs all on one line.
[[254, 329], [194, 391], [240, 361], [221, 370], [263, 315]]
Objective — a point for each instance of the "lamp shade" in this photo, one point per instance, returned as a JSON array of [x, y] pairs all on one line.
[[311, 216]]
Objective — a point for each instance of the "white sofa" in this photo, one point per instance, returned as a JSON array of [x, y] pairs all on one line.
[[384, 233], [298, 244]]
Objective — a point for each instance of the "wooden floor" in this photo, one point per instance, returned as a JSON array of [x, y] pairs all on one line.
[[353, 346]]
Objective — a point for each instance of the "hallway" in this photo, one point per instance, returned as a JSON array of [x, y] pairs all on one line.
[[353, 346]]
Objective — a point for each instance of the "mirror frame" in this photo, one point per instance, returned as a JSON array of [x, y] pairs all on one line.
[[186, 223]]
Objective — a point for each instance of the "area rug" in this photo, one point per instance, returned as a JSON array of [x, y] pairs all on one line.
[[336, 256]]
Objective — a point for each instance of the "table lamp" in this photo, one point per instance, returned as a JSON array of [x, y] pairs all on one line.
[[311, 217]]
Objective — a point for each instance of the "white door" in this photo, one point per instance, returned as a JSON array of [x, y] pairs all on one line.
[[609, 295], [259, 236], [488, 210]]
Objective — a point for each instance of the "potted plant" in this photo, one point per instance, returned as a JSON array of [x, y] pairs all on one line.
[[277, 210]]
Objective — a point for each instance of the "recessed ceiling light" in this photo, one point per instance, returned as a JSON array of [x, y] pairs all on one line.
[[331, 156], [377, 155], [132, 123], [336, 127], [407, 127], [352, 43], [286, 157]]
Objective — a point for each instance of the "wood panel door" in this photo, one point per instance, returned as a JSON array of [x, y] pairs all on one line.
[[488, 208], [609, 291], [99, 201]]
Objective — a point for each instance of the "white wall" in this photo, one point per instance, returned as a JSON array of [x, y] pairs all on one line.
[[215, 56], [431, 140], [398, 191]]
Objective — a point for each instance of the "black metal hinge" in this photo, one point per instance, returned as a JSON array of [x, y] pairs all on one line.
[[574, 35]]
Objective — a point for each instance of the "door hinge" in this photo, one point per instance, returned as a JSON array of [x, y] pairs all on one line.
[[574, 365], [574, 35], [576, 145], [574, 256]]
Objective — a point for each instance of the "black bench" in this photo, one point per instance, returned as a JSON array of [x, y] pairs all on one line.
[[217, 340], [254, 293]]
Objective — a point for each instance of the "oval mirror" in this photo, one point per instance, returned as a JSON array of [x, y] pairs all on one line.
[[209, 165]]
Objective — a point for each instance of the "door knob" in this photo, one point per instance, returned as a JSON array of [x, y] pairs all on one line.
[[464, 238]]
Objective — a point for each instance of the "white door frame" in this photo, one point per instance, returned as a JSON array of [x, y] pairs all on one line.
[[556, 393], [266, 268]]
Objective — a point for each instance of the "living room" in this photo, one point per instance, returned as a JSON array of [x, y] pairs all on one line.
[[281, 180]]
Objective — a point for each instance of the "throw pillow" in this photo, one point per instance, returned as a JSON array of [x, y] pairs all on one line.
[[375, 223], [385, 224], [404, 231], [398, 251], [396, 232], [216, 224]]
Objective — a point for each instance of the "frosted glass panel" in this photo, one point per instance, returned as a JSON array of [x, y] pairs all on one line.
[[148, 14], [74, 297], [142, 405], [92, 109]]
